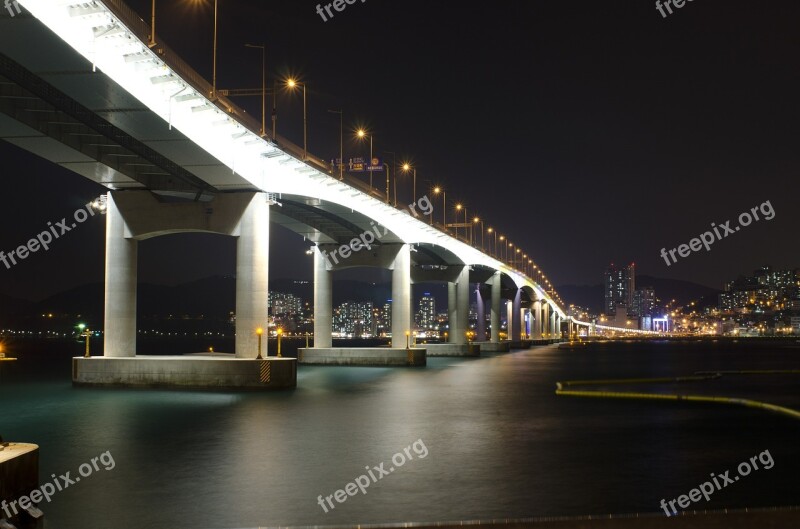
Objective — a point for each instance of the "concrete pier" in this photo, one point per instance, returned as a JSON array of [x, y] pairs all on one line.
[[221, 372], [363, 356], [19, 476], [494, 347], [453, 349]]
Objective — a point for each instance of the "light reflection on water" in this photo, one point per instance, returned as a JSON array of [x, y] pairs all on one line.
[[501, 444]]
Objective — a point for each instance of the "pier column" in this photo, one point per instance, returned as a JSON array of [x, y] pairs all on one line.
[[553, 325], [480, 328], [462, 307], [119, 335], [401, 297], [516, 312], [323, 301], [452, 311], [495, 282], [252, 276], [537, 320], [545, 319]]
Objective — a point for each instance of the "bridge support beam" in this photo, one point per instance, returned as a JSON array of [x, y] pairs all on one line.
[[495, 282], [252, 276], [480, 328], [401, 296], [462, 307], [119, 334], [515, 323], [323, 301], [545, 319], [537, 320]]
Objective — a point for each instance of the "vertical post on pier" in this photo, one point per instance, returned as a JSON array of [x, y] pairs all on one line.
[[537, 322], [462, 308], [323, 301], [480, 328], [495, 282], [252, 275], [119, 334], [515, 329], [401, 295]]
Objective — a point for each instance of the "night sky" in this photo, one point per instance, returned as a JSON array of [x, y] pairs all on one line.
[[587, 132]]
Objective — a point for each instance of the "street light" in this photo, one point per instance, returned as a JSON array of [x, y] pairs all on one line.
[[459, 207], [292, 84], [362, 134], [476, 220], [394, 166], [152, 42], [259, 332], [406, 168], [436, 191], [492, 230], [341, 141], [263, 49]]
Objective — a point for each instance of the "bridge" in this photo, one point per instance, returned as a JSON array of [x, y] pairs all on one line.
[[81, 87]]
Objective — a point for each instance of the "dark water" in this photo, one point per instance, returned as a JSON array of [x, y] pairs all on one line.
[[499, 442]]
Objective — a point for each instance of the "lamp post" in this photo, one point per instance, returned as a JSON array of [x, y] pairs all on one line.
[[436, 191], [214, 73], [492, 230], [407, 168], [394, 165], [459, 207], [361, 133], [259, 332], [500, 254], [152, 41], [263, 49], [477, 220], [341, 141], [280, 334], [293, 83], [86, 333]]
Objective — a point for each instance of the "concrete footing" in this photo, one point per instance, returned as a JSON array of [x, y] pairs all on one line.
[[362, 356], [19, 475], [521, 344], [494, 347], [453, 349], [186, 372]]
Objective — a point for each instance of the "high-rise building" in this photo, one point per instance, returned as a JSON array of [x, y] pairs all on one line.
[[620, 284], [644, 302], [426, 315], [353, 319], [282, 304]]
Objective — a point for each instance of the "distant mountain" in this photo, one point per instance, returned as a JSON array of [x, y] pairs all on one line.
[[592, 296], [11, 307]]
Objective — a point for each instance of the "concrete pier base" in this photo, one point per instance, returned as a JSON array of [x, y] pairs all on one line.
[[186, 372], [19, 475], [521, 344], [494, 347], [452, 349], [363, 356]]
